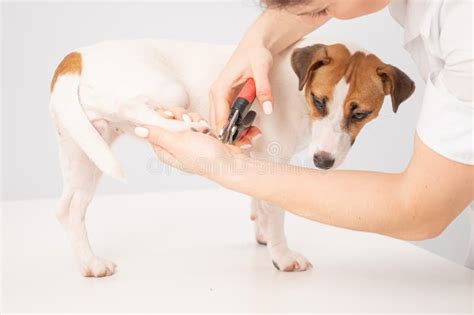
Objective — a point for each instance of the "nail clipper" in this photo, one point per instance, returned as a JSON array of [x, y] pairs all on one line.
[[240, 117]]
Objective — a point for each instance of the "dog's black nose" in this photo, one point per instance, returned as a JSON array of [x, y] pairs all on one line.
[[323, 160]]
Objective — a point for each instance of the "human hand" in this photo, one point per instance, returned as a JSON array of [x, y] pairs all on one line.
[[274, 31], [250, 60], [192, 152]]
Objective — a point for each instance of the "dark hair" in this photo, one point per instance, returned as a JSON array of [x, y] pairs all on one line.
[[282, 3]]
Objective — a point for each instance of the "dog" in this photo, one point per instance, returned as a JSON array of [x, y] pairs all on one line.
[[324, 94]]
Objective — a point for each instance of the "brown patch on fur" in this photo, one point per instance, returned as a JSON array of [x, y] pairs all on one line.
[[396, 83], [370, 80], [366, 92], [305, 61], [322, 82], [320, 67], [72, 63]]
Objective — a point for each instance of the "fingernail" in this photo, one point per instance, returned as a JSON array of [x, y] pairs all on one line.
[[186, 118], [246, 146], [141, 132], [221, 133], [256, 137], [168, 114], [267, 107]]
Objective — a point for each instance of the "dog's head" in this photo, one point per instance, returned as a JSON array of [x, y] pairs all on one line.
[[344, 91]]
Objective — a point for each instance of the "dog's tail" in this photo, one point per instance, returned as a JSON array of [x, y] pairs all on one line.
[[70, 115]]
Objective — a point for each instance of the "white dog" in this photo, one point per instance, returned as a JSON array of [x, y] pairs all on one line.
[[102, 91]]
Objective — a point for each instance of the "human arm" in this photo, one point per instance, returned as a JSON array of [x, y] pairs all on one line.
[[413, 205], [394, 204], [271, 33]]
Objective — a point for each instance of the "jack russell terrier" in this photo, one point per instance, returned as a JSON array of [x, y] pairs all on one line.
[[105, 90]]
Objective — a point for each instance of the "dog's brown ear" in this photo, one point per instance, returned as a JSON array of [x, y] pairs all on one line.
[[396, 83], [306, 60]]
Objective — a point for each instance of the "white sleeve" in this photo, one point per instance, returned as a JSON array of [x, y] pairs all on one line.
[[447, 115], [455, 43]]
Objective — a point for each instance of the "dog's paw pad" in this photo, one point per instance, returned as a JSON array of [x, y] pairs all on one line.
[[97, 267], [291, 261]]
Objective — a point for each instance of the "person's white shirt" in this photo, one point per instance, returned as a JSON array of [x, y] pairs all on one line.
[[438, 35]]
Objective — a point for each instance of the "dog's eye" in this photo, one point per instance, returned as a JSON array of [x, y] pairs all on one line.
[[357, 116], [319, 104]]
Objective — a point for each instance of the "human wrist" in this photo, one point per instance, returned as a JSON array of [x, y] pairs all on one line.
[[290, 29], [262, 33], [231, 170]]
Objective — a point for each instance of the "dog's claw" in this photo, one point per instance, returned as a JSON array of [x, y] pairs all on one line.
[[293, 267], [276, 266], [97, 267], [291, 261]]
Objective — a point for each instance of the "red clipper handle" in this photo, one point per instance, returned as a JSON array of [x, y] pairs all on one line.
[[249, 91]]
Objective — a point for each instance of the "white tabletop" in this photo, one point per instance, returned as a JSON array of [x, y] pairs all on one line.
[[194, 251]]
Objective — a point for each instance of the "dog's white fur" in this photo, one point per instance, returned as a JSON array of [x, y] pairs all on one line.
[[327, 133], [121, 84]]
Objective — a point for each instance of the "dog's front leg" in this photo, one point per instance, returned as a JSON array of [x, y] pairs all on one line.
[[142, 111], [269, 219], [270, 230]]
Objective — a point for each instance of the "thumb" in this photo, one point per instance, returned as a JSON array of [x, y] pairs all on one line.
[[264, 89], [220, 108], [157, 136]]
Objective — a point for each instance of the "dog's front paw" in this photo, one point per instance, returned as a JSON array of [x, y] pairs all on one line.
[[97, 267], [200, 126], [290, 261]]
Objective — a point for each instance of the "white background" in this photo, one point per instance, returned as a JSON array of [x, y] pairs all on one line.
[[35, 37]]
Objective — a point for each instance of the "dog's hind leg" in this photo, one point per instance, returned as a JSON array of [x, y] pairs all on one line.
[[80, 176]]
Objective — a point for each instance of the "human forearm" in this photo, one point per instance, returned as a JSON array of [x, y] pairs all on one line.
[[416, 204], [334, 197], [290, 29]]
